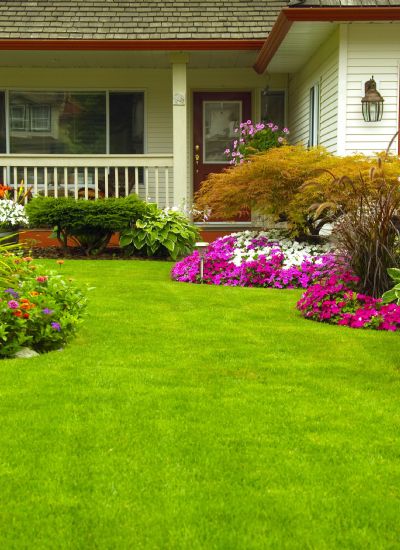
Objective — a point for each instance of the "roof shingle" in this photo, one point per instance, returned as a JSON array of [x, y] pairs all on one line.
[[138, 19]]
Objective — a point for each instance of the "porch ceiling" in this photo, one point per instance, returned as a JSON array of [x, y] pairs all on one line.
[[302, 40], [124, 59]]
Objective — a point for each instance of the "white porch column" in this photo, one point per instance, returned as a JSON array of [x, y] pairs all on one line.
[[180, 124]]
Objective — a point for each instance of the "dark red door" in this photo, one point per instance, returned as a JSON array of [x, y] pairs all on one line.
[[216, 115]]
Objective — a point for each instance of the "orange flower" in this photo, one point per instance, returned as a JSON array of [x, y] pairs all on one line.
[[34, 293], [25, 306], [17, 313], [27, 259]]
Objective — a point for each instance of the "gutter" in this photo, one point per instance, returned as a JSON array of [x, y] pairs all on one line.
[[129, 45], [288, 16]]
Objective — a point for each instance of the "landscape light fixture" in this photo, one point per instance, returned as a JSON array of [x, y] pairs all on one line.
[[372, 102], [202, 249]]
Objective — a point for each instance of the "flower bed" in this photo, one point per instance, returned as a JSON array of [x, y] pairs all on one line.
[[336, 301], [38, 311], [257, 260], [265, 260]]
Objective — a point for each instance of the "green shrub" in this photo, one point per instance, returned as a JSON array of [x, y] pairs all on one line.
[[160, 233], [90, 224]]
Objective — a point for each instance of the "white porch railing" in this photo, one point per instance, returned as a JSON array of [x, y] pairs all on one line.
[[93, 176]]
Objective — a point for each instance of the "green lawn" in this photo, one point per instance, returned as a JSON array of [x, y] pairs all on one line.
[[188, 417]]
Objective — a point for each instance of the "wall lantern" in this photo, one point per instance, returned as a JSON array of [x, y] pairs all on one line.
[[372, 102]]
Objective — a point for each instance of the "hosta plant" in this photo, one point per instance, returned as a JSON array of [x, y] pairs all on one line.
[[160, 233], [393, 294]]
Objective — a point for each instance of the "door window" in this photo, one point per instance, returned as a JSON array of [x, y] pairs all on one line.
[[220, 119]]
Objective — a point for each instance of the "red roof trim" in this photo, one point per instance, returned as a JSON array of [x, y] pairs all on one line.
[[339, 14], [129, 45]]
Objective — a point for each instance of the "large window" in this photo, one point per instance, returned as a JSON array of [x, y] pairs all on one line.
[[273, 107], [73, 122]]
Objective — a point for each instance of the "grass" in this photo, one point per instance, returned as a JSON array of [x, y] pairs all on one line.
[[198, 417]]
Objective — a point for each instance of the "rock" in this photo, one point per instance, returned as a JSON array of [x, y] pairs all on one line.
[[26, 353]]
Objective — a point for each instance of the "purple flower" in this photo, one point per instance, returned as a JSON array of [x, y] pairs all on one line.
[[56, 326], [13, 293], [12, 304], [47, 311]]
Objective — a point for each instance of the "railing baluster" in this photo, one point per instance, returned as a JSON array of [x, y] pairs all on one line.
[[25, 185], [116, 183], [55, 181], [137, 180], [15, 183], [146, 183], [76, 177], [126, 182], [106, 182], [85, 179], [96, 183], [35, 181], [157, 186], [5, 179], [65, 181], [46, 182]]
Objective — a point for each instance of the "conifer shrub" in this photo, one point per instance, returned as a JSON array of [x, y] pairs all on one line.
[[89, 224]]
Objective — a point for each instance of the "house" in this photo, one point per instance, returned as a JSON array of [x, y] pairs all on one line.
[[143, 96]]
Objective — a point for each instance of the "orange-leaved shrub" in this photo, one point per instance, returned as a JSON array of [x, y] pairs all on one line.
[[291, 182]]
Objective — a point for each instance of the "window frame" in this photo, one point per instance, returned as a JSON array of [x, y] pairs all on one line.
[[107, 91], [314, 115], [20, 128], [48, 118]]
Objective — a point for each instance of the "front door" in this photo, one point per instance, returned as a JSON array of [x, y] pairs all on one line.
[[216, 115]]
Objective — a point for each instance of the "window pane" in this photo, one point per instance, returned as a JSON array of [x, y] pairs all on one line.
[[58, 122], [126, 122], [2, 123], [273, 108], [220, 119]]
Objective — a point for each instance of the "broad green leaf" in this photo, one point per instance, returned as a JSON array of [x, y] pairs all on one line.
[[389, 296], [394, 273]]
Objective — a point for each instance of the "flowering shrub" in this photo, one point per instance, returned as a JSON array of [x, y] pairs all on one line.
[[12, 214], [336, 301], [39, 311], [254, 138], [257, 259]]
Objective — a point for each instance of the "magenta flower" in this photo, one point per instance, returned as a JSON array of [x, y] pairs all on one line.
[[12, 304]]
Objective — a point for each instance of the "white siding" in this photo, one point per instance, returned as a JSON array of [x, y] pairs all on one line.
[[322, 68], [373, 49]]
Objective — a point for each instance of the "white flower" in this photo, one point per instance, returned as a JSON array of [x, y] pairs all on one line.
[[12, 214]]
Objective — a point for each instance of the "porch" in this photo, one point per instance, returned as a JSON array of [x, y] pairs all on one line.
[[138, 106]]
